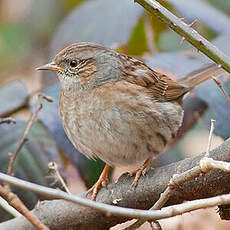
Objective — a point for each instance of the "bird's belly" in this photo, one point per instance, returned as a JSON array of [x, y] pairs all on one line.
[[116, 143], [121, 132], [121, 136]]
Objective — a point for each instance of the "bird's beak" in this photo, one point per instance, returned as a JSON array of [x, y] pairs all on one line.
[[50, 66]]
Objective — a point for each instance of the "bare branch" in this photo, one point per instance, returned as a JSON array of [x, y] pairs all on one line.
[[119, 211], [15, 202], [72, 216], [186, 31], [176, 181]]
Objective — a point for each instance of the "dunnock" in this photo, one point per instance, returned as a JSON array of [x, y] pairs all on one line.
[[116, 108]]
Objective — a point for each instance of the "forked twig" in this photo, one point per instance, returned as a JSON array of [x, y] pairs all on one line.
[[24, 138], [53, 169]]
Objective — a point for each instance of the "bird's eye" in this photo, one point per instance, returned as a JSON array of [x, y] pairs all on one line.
[[73, 63]]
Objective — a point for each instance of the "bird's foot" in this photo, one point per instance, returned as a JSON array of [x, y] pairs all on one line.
[[103, 180], [142, 170]]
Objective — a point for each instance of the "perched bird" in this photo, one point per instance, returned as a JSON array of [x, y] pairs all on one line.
[[116, 108]]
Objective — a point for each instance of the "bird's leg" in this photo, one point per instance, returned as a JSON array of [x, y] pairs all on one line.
[[142, 170], [103, 180]]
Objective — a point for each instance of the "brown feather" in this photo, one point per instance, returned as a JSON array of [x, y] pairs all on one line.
[[201, 75], [159, 86]]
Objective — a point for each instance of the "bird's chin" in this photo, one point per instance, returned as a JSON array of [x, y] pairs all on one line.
[[70, 86]]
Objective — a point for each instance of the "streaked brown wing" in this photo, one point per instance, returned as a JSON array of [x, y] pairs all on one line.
[[159, 86]]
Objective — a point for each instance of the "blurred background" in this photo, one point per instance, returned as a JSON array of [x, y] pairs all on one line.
[[33, 31]]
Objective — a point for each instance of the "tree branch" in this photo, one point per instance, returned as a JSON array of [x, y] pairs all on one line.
[[205, 165], [60, 214], [15, 202], [187, 32]]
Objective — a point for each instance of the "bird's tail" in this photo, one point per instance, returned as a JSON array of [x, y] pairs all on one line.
[[201, 75]]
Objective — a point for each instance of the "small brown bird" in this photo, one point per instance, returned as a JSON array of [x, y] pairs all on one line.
[[116, 108]]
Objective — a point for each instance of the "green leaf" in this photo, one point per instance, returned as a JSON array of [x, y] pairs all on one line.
[[137, 44]]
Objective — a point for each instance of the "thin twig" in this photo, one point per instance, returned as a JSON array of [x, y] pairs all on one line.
[[176, 181], [12, 199], [30, 123], [119, 211], [210, 137], [15, 202], [4, 204], [8, 120], [186, 31], [221, 88], [12, 157], [193, 23], [53, 169]]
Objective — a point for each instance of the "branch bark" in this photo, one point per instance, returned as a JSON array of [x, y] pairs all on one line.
[[63, 215]]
